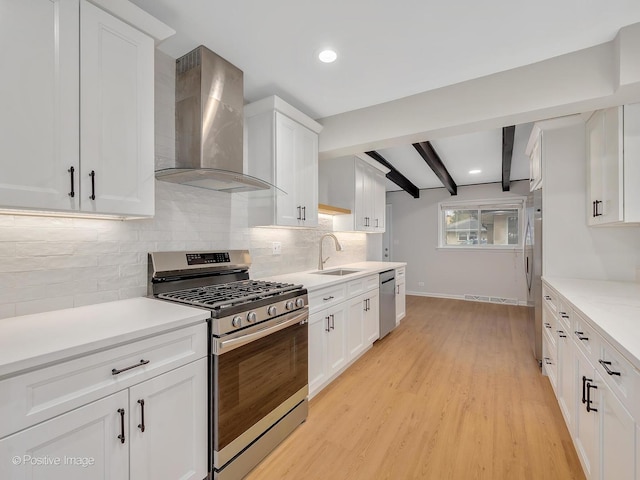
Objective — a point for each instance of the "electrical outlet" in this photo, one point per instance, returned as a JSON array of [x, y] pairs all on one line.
[[276, 248], [421, 284]]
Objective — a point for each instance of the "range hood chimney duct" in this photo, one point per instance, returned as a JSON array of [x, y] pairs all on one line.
[[209, 125]]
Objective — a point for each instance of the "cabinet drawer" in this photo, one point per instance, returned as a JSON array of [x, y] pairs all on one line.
[[361, 285], [550, 298], [585, 337], [549, 361], [326, 297], [41, 394], [620, 375], [564, 315], [549, 323], [400, 275]]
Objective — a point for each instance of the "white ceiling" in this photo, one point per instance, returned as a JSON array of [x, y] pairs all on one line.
[[389, 50]]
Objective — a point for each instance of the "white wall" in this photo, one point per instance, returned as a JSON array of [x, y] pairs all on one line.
[[445, 272], [571, 248], [51, 263]]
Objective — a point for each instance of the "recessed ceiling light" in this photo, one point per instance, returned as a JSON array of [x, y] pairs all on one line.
[[474, 172], [327, 56]]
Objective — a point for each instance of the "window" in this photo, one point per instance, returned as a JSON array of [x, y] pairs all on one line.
[[486, 224]]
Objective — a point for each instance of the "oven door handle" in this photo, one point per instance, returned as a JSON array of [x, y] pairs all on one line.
[[223, 346]]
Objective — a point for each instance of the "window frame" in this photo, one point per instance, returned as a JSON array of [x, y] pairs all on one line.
[[516, 202]]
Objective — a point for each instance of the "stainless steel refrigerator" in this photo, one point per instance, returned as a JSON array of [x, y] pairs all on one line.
[[533, 268]]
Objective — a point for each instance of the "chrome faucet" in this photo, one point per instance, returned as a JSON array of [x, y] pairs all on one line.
[[321, 262]]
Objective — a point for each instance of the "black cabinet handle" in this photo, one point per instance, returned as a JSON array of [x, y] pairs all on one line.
[[299, 213], [327, 298], [377, 223], [589, 387], [580, 336], [561, 334], [121, 436], [141, 425], [72, 193], [593, 209], [93, 185], [333, 322], [584, 387], [328, 329], [304, 213], [547, 325], [116, 371], [547, 297], [605, 365], [597, 209]]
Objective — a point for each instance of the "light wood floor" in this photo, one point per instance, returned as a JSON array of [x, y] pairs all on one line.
[[452, 393]]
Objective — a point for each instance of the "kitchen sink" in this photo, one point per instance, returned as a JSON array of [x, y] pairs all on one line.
[[339, 272]]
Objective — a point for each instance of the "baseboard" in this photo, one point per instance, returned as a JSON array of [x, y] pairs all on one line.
[[472, 298]]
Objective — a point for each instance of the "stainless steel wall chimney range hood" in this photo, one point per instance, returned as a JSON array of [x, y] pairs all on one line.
[[209, 125]]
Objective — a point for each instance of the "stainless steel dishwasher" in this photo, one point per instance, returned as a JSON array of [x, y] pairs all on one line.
[[387, 302]]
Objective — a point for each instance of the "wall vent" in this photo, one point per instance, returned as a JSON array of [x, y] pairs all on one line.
[[482, 298]]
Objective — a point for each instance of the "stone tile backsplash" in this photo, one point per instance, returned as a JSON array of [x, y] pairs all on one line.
[[50, 263]]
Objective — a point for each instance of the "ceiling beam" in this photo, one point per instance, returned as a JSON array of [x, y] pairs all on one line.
[[507, 154], [427, 152], [395, 176]]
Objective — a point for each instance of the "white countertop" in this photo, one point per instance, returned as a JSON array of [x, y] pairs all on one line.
[[313, 281], [613, 308], [33, 340]]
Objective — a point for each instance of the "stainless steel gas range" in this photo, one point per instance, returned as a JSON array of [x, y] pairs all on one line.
[[258, 351]]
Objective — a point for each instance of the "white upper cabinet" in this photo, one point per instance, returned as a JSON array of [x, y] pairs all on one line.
[[613, 149], [282, 149], [355, 184], [116, 111], [39, 130], [81, 103]]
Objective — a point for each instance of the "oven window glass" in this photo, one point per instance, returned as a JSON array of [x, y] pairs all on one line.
[[254, 379]]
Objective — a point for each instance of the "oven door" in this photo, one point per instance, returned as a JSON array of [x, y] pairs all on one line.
[[259, 375]]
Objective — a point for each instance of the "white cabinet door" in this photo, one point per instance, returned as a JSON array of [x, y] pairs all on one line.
[[618, 436], [39, 130], [379, 200], [336, 337], [172, 408], [288, 209], [566, 377], [355, 328], [587, 423], [361, 210], [78, 445], [401, 296], [318, 330], [307, 174], [372, 317], [117, 147]]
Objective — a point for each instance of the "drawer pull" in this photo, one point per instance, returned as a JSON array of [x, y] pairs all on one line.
[[589, 387], [72, 170], [584, 382], [581, 336], [561, 334], [547, 324], [328, 298], [121, 436], [547, 297], [548, 361], [115, 371], [605, 365], [141, 425]]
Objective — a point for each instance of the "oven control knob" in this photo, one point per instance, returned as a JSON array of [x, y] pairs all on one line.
[[272, 310], [251, 317], [236, 322], [300, 302], [289, 305]]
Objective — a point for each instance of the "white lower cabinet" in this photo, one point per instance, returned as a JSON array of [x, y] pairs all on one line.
[[78, 445], [342, 331], [327, 345], [600, 405], [150, 421], [401, 297], [168, 425], [617, 459], [586, 421]]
